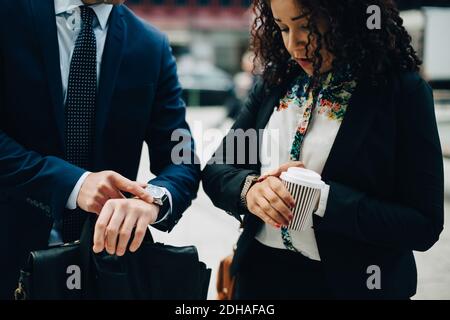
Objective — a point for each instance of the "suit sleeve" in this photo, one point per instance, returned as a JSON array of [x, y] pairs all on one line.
[[43, 181], [168, 135], [225, 173], [415, 219]]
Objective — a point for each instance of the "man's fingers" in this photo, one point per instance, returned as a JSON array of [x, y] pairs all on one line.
[[125, 234], [112, 230], [100, 227], [132, 187], [95, 207], [113, 193], [139, 234], [140, 192]]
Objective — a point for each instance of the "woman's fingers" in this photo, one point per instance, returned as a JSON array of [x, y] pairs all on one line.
[[278, 204], [271, 212], [258, 211], [284, 167], [291, 164], [270, 201], [278, 187]]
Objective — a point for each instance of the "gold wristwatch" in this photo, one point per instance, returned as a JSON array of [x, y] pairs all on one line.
[[249, 182]]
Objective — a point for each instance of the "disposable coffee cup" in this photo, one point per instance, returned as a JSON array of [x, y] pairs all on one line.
[[305, 187]]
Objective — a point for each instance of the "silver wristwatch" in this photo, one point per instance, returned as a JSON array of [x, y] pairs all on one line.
[[160, 198], [249, 182], [158, 194]]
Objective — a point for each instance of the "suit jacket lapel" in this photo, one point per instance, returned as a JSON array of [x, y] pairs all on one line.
[[44, 19], [112, 56], [263, 116], [354, 128]]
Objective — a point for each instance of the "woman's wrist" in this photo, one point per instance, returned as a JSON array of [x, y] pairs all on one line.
[[250, 180]]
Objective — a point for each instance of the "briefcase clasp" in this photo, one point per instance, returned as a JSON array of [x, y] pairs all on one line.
[[20, 293]]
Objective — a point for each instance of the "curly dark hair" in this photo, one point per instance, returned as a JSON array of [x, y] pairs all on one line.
[[371, 54]]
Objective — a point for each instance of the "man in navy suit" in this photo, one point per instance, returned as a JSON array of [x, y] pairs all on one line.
[[83, 83]]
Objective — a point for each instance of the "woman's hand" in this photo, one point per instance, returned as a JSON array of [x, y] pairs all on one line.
[[271, 201], [281, 169]]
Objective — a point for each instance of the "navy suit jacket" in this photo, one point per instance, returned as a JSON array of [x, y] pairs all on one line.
[[385, 172], [138, 100]]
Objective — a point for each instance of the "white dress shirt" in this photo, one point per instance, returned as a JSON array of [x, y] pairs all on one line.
[[68, 23]]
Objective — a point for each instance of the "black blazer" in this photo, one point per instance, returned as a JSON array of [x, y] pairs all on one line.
[[385, 172]]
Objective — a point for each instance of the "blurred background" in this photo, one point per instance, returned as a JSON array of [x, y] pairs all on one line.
[[210, 42]]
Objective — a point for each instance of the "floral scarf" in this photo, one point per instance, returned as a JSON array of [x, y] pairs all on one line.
[[331, 98]]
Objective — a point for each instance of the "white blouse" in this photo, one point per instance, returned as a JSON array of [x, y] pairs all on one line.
[[275, 151]]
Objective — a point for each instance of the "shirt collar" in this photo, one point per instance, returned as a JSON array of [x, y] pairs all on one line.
[[101, 10]]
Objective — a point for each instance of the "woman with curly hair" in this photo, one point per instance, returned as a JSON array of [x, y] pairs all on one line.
[[348, 103]]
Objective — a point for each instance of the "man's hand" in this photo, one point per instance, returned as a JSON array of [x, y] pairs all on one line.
[[116, 222], [99, 187]]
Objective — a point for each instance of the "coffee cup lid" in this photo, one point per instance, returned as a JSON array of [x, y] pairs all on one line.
[[303, 176]]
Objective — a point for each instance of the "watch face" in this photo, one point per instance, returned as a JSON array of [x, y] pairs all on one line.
[[156, 192]]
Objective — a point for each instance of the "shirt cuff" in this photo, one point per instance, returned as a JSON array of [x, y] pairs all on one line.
[[323, 201], [169, 211], [72, 201]]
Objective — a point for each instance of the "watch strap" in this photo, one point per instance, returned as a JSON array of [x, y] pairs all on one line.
[[249, 182], [164, 209]]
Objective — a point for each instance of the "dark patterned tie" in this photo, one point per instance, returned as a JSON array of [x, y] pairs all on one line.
[[80, 112]]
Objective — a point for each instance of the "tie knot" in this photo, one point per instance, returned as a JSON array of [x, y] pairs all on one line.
[[87, 16]]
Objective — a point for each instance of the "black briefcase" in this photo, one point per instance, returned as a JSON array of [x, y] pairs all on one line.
[[73, 271]]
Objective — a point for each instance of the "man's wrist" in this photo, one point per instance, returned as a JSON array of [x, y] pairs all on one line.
[[162, 200], [71, 203], [163, 212]]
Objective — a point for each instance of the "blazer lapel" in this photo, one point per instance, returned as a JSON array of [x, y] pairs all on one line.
[[112, 56], [44, 19], [354, 128], [269, 106]]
